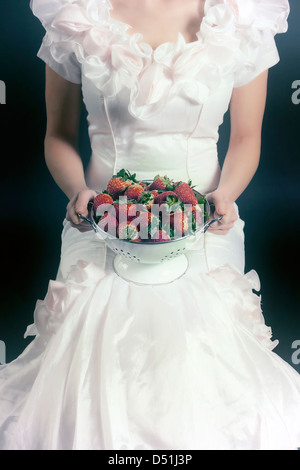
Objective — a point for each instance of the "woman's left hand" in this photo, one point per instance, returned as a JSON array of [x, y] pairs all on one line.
[[226, 209]]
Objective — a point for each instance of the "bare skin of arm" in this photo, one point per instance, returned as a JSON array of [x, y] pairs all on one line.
[[63, 105], [242, 159]]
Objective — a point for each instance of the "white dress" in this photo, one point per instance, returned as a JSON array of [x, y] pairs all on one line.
[[186, 365]]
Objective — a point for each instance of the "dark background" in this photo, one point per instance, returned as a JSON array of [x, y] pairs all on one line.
[[32, 206]]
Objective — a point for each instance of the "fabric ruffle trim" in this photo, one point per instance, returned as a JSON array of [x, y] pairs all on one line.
[[245, 306], [235, 290], [230, 33], [50, 313]]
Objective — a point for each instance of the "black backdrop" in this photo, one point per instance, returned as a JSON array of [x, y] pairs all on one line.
[[32, 207]]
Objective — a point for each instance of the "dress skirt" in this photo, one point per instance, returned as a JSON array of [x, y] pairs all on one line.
[[119, 366]]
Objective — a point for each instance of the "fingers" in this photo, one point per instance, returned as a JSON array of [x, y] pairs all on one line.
[[219, 228], [79, 205], [72, 214], [229, 216]]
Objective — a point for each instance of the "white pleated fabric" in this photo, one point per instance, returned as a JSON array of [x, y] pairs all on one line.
[[186, 365]]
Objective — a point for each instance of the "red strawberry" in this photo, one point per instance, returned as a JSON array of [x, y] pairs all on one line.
[[163, 211], [179, 222], [194, 214], [186, 194], [134, 191], [141, 183], [117, 185], [160, 236], [147, 199], [125, 211], [154, 192], [143, 219], [108, 223], [163, 196], [103, 200], [160, 182], [146, 222], [128, 231], [197, 214]]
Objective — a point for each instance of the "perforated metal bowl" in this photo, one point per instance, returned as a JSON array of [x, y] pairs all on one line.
[[151, 262], [152, 252]]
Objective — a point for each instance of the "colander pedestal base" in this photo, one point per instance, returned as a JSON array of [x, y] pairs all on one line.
[[141, 273]]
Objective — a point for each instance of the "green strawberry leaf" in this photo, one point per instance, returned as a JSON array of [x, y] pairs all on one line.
[[170, 200], [172, 233], [146, 197], [201, 199], [126, 175]]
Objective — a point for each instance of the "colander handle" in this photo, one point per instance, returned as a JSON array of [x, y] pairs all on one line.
[[208, 224], [212, 209], [89, 219]]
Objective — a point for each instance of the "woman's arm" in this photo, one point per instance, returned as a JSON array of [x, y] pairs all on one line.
[[242, 159], [63, 105]]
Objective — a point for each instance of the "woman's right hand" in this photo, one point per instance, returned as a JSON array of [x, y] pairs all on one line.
[[78, 204]]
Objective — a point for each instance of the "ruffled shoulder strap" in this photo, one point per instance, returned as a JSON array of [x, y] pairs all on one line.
[[263, 14], [257, 23], [48, 10], [63, 21], [81, 33]]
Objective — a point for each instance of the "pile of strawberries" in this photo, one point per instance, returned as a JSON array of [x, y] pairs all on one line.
[[161, 210]]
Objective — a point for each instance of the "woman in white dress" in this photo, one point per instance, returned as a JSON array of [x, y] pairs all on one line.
[[184, 365]]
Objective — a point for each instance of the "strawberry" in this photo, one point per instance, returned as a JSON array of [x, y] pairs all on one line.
[[179, 222], [145, 186], [117, 185], [147, 200], [105, 201], [197, 216], [160, 236], [126, 175], [160, 183], [186, 193], [146, 222], [134, 191], [128, 231], [108, 223], [154, 192], [162, 197], [167, 206], [125, 211]]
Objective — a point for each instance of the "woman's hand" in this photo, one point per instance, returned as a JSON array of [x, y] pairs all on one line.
[[225, 208], [78, 204]]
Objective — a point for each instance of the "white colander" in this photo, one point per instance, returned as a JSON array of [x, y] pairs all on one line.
[[154, 262]]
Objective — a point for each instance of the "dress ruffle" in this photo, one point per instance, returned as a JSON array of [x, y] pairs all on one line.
[[50, 313], [233, 37], [161, 372], [226, 283]]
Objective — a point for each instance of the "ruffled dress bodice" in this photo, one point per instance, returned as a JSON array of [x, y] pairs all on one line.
[[158, 108]]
